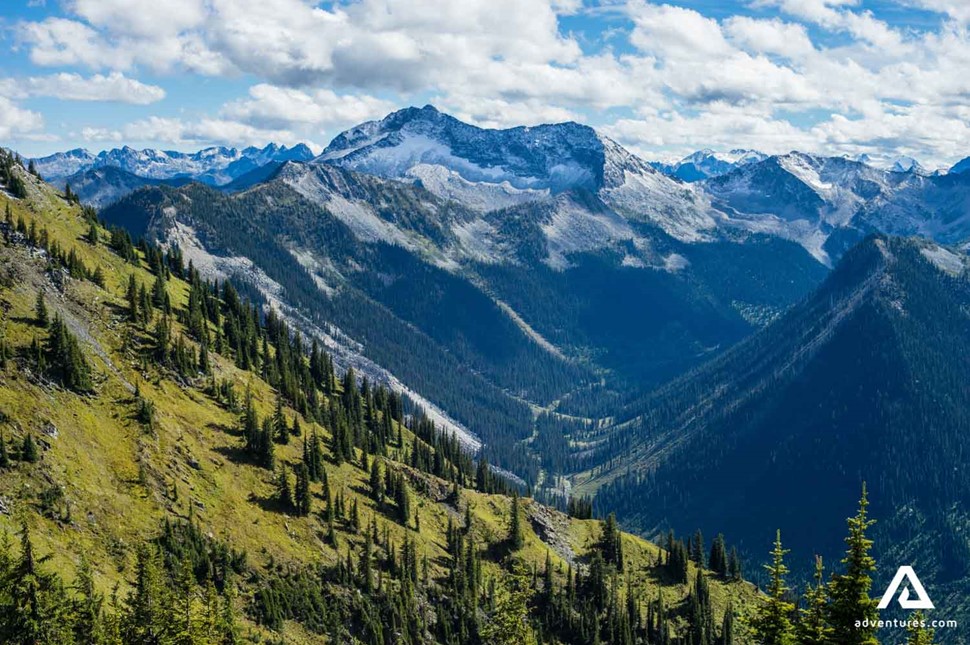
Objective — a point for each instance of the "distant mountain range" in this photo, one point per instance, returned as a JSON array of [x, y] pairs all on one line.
[[559, 270], [707, 163], [214, 166]]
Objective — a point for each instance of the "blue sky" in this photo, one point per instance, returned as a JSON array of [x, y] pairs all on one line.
[[880, 77]]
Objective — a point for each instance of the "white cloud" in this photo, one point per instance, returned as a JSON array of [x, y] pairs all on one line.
[[201, 132], [101, 134], [721, 126], [774, 36], [957, 9], [74, 87], [15, 122], [321, 66], [270, 106]]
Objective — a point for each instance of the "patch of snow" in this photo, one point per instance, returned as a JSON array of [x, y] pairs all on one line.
[[945, 260], [675, 262], [478, 195], [574, 228]]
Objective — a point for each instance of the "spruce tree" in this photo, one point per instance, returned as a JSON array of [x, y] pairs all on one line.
[[281, 432], [812, 628], [850, 603], [727, 627], [516, 537], [772, 625], [376, 483], [4, 455], [131, 296], [718, 561], [284, 492], [28, 450], [917, 631], [301, 494], [40, 310]]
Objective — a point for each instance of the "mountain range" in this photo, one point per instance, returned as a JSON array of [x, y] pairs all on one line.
[[177, 468], [557, 270], [102, 178], [778, 328]]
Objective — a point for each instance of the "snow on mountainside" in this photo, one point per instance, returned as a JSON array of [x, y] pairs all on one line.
[[546, 157], [708, 163], [807, 198], [472, 189], [491, 169], [215, 166]]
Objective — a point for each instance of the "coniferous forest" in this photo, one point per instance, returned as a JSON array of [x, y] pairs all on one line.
[[188, 456]]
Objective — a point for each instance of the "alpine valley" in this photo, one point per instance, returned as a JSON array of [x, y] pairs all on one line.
[[450, 316]]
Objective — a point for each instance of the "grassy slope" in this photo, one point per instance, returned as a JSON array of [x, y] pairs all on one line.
[[99, 447]]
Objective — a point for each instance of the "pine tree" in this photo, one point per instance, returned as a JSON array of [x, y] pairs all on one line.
[[376, 483], [131, 296], [727, 627], [850, 603], [918, 632], [366, 574], [92, 235], [284, 492], [516, 537], [28, 450], [281, 433], [697, 549], [772, 625], [87, 606], [146, 604], [301, 494], [734, 565], [4, 455], [718, 561], [812, 628], [40, 310]]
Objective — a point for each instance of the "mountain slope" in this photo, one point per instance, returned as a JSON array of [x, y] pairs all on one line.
[[344, 273], [863, 381], [149, 456], [529, 303]]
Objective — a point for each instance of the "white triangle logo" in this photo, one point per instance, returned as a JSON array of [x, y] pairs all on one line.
[[912, 582]]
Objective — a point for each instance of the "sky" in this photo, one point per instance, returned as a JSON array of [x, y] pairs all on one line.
[[886, 78]]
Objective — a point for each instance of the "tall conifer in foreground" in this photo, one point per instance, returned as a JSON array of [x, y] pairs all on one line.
[[773, 625], [850, 602]]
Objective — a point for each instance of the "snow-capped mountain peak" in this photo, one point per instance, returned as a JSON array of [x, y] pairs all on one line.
[[215, 165], [907, 164], [708, 163]]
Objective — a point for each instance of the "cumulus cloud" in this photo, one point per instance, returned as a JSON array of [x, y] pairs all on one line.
[[269, 106], [74, 87], [16, 122], [186, 132], [828, 75]]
